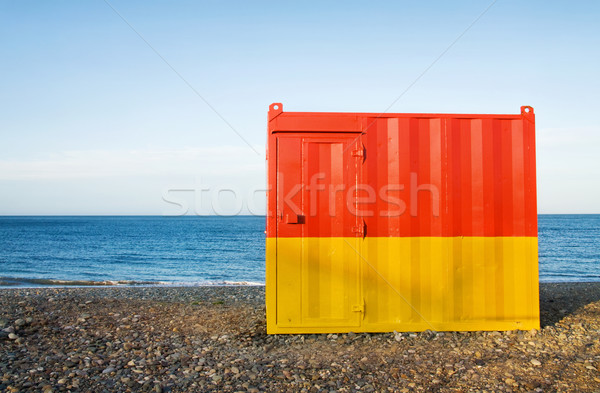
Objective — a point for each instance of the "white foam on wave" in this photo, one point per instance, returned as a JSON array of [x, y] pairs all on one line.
[[249, 283], [210, 283], [22, 282]]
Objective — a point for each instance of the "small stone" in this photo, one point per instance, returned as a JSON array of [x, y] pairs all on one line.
[[69, 363], [20, 322], [536, 362], [12, 336], [108, 370]]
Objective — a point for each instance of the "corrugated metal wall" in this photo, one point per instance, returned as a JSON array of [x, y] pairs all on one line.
[[401, 222], [478, 170]]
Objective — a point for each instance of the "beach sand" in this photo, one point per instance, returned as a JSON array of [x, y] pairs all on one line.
[[165, 339]]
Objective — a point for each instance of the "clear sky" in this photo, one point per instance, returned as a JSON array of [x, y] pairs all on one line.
[[93, 121]]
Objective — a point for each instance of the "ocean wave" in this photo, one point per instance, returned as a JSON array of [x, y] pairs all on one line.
[[250, 283], [219, 283], [49, 282]]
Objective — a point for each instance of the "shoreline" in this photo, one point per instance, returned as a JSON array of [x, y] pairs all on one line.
[[213, 338], [43, 283], [31, 283]]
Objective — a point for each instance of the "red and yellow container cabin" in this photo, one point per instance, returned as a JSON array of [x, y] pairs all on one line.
[[406, 222]]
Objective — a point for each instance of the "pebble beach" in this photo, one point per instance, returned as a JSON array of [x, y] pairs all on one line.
[[202, 339]]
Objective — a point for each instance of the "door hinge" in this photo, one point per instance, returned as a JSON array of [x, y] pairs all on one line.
[[359, 152], [360, 229], [359, 308]]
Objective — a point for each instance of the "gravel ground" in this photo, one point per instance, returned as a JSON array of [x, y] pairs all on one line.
[[161, 339]]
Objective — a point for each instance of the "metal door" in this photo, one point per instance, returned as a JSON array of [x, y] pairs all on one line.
[[318, 231]]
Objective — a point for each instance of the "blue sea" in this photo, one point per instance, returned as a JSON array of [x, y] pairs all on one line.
[[211, 250], [132, 250]]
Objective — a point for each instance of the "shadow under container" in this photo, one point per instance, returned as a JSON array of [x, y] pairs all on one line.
[[406, 222]]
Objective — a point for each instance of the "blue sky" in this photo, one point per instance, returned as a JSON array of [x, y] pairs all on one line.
[[92, 120]]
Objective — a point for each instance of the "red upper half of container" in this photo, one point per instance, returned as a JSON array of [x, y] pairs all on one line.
[[401, 175]]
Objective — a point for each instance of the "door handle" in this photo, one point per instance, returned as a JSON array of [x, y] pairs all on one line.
[[293, 218]]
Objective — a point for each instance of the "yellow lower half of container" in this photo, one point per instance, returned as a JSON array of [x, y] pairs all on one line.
[[343, 284]]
